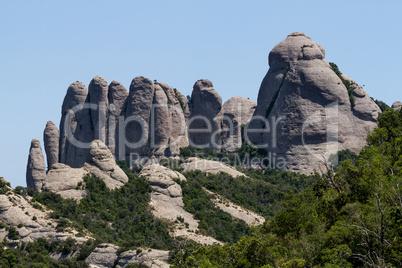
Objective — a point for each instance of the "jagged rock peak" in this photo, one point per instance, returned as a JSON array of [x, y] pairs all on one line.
[[36, 169], [51, 142]]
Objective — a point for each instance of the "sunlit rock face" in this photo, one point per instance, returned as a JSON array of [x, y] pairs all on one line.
[[304, 113]]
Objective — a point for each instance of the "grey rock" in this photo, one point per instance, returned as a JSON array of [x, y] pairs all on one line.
[[104, 256], [36, 168], [177, 109], [209, 166], [152, 258], [137, 116], [51, 142], [160, 124], [98, 95], [237, 113], [75, 97], [204, 129], [167, 202], [184, 104], [102, 164], [365, 108], [397, 105], [117, 98], [303, 111], [63, 179]]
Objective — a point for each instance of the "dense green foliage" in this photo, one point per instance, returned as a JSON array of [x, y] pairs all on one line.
[[346, 83], [36, 254], [262, 192], [383, 106], [351, 217], [213, 221], [119, 216]]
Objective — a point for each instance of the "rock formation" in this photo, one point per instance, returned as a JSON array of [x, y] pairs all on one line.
[[17, 210], [117, 98], [51, 142], [204, 129], [397, 105], [209, 166], [36, 168], [98, 95], [237, 113], [304, 112], [167, 201], [101, 164], [74, 99]]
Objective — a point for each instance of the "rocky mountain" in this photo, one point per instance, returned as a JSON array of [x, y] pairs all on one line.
[[306, 111]]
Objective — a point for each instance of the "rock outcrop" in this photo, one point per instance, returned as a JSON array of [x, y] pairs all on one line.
[[101, 164], [204, 129], [209, 166], [31, 221], [98, 95], [397, 105], [36, 168], [167, 202], [105, 256], [237, 113], [304, 113], [51, 142]]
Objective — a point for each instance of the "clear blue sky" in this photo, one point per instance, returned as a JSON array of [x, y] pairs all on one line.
[[46, 45]]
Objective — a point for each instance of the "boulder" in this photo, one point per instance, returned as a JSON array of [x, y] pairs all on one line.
[[397, 105], [104, 256], [237, 113], [51, 142], [204, 128], [65, 180], [102, 164], [36, 168], [117, 98], [304, 113], [152, 258]]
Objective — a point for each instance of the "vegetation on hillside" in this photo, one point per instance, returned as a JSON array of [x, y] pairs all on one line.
[[346, 83], [350, 217]]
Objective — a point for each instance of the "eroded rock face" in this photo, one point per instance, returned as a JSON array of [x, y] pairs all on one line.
[[206, 116], [98, 95], [74, 99], [138, 115], [104, 256], [152, 258], [16, 209], [51, 142], [117, 98], [397, 105], [64, 180], [304, 113], [237, 113], [209, 166], [36, 168], [102, 164], [167, 201]]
